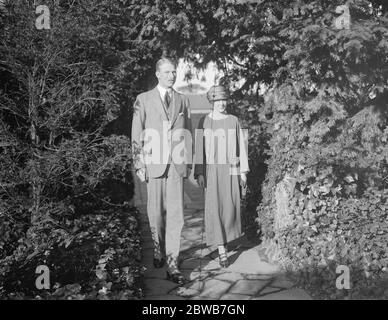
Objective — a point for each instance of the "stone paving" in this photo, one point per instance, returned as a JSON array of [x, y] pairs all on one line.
[[248, 277]]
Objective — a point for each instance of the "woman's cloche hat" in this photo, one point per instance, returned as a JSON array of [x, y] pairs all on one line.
[[217, 93]]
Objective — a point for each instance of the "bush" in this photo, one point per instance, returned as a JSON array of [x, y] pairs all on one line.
[[99, 259], [349, 232], [325, 193], [65, 151]]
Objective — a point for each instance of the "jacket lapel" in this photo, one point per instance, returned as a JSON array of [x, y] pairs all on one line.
[[158, 104], [176, 103]]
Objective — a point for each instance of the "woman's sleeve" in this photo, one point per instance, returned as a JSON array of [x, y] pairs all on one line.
[[199, 152], [242, 138]]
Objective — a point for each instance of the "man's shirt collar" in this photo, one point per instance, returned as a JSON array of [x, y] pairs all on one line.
[[162, 91]]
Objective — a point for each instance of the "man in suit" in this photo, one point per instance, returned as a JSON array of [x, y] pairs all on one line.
[[161, 126]]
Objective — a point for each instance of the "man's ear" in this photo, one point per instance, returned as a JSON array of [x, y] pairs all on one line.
[[157, 74]]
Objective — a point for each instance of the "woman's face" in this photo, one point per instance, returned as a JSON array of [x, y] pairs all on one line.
[[220, 105]]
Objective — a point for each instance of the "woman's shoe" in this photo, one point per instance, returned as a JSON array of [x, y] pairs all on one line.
[[176, 277], [223, 259]]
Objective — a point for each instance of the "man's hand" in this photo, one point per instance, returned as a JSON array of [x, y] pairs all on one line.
[[141, 173], [201, 181]]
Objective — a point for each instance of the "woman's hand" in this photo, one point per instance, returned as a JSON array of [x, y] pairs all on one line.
[[142, 174], [243, 180], [201, 181]]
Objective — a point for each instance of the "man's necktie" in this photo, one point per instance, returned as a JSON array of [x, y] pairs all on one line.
[[167, 100]]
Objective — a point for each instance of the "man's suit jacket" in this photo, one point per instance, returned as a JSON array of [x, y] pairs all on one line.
[[157, 134]]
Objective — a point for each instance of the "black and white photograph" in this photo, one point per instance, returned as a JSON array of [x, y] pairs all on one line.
[[205, 153]]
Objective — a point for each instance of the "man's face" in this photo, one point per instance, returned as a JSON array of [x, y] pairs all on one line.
[[166, 75]]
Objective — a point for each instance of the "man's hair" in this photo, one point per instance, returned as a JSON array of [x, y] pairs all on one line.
[[163, 61]]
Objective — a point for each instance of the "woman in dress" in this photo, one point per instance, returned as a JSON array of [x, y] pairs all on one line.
[[221, 165]]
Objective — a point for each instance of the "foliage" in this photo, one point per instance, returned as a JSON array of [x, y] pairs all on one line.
[[100, 260], [329, 132], [64, 112]]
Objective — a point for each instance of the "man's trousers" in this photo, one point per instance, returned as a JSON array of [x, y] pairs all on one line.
[[165, 214]]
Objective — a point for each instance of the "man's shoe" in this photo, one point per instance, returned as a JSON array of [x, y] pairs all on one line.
[[176, 277], [158, 263]]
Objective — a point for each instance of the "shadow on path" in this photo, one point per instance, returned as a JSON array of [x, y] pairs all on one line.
[[248, 277]]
